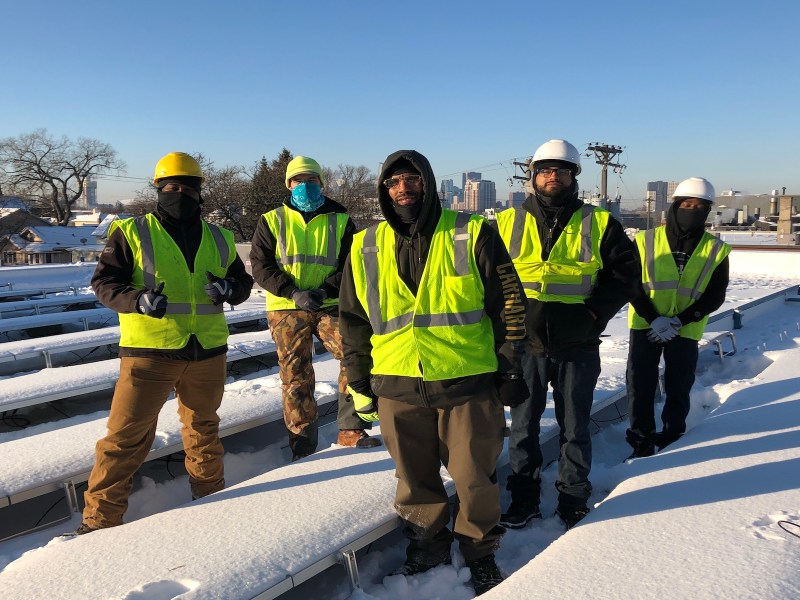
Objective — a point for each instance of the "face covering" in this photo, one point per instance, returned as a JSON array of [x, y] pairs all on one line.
[[178, 205], [688, 219], [408, 214], [307, 196]]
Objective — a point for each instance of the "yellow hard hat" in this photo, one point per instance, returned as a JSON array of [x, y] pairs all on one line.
[[177, 164], [303, 164]]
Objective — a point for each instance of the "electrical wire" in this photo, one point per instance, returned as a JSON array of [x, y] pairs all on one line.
[[56, 503], [783, 524]]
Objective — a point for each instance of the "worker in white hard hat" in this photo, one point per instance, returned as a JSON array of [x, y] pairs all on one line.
[[684, 279], [578, 269]]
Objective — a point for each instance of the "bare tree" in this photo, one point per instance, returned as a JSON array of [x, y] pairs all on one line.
[[354, 188], [52, 171], [225, 195]]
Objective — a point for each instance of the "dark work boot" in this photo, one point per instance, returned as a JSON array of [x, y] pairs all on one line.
[[520, 512], [571, 515], [524, 507], [301, 446], [414, 567], [665, 438], [643, 446], [485, 574]]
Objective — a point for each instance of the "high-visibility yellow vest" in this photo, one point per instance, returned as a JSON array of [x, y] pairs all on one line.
[[670, 292], [570, 272], [309, 252], [189, 309], [441, 333]]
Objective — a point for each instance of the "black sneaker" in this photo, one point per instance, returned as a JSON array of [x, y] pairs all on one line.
[[413, 567], [520, 514], [485, 574], [571, 515]]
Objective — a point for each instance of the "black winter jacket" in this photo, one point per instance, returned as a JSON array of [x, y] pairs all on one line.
[[112, 282], [269, 274], [505, 307], [557, 329]]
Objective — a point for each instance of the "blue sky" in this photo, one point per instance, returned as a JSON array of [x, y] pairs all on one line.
[[708, 88]]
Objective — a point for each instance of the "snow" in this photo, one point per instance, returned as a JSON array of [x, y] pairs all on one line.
[[699, 520]]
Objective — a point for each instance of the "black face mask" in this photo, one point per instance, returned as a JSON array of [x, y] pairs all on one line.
[[179, 206], [688, 219], [408, 214]]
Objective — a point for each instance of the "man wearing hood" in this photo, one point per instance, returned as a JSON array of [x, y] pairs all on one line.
[[433, 330], [578, 268], [684, 278], [298, 253], [167, 274]]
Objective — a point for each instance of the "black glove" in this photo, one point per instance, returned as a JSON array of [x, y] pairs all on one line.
[[218, 289], [512, 389], [152, 303], [310, 300]]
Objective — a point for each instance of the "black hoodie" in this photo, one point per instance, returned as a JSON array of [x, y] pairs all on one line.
[[412, 246], [682, 244]]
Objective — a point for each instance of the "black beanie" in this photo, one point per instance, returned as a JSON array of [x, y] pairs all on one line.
[[192, 182], [402, 165]]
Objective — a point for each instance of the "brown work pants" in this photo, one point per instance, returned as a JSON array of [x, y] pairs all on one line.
[[468, 440], [143, 387]]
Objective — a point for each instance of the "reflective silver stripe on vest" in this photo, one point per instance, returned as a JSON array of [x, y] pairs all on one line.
[[449, 319], [461, 245], [517, 232], [650, 265], [184, 308], [587, 222], [571, 289], [330, 259], [695, 293], [149, 253], [587, 210], [370, 252], [222, 245]]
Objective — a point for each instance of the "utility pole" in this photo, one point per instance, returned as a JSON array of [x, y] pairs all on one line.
[[604, 155]]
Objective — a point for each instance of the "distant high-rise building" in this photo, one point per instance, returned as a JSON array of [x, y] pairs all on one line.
[[447, 191], [469, 176], [659, 195], [88, 197], [515, 199], [479, 195], [671, 190]]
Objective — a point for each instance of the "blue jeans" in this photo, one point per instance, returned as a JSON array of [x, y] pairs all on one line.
[[573, 381]]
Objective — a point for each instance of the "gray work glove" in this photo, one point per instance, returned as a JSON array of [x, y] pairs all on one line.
[[218, 289], [663, 329], [310, 300], [152, 303]]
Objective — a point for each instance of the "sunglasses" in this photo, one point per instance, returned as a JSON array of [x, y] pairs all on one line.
[[412, 180]]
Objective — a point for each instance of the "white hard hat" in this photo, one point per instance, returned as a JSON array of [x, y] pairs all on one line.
[[557, 150], [695, 187]]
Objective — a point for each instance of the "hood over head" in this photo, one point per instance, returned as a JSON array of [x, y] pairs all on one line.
[[410, 161]]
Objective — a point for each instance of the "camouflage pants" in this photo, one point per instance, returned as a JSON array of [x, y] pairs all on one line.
[[293, 332]]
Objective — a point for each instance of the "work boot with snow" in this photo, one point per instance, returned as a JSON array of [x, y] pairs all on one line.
[[485, 574], [520, 512], [356, 438], [571, 515], [415, 567]]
